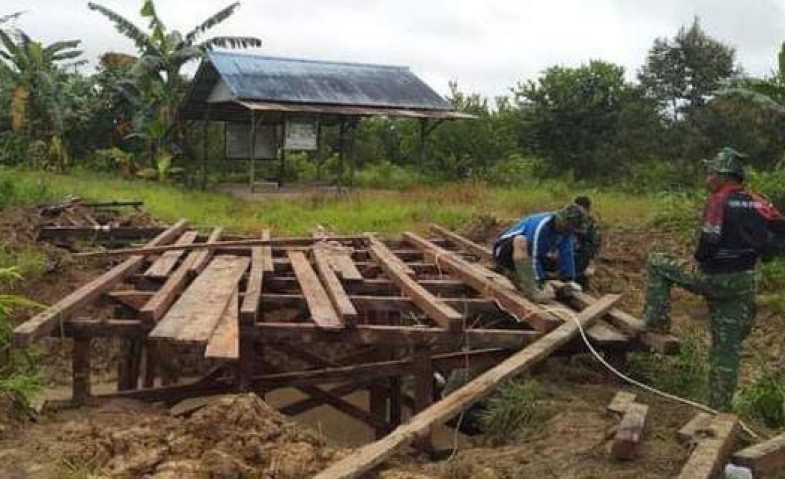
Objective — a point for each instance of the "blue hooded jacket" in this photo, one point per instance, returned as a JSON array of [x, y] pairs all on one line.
[[542, 239]]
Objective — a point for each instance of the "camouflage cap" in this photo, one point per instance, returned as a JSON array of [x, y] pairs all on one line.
[[573, 216], [728, 162]]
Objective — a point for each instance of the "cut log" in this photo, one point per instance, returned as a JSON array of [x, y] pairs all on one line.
[[763, 459], [709, 456], [203, 257], [249, 310], [483, 252], [697, 426], [367, 457], [322, 311], [225, 342], [512, 302], [630, 432], [620, 402], [435, 308], [196, 313], [340, 300], [161, 268], [46, 321]]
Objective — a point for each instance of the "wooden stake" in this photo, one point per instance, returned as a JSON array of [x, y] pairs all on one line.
[[80, 360]]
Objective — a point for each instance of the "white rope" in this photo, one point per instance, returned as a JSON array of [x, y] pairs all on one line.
[[571, 314]]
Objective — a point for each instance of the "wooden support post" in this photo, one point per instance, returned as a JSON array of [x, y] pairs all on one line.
[[245, 366], [367, 457], [396, 401], [423, 388], [150, 364], [765, 459], [709, 456], [81, 371], [630, 432], [377, 405]]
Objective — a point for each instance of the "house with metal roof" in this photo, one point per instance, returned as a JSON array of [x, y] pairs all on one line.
[[283, 103]]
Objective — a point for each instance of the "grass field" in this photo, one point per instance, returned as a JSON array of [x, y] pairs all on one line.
[[362, 211]]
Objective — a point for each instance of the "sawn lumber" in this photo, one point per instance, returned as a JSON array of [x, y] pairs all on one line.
[[367, 457]]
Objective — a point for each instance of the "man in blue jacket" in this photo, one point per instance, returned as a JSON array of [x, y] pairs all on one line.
[[524, 248]]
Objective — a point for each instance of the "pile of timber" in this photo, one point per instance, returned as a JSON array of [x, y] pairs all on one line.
[[77, 219], [386, 309]]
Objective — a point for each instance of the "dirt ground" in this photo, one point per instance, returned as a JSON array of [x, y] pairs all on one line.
[[241, 436]]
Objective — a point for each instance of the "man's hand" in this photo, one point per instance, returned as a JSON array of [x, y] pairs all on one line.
[[573, 287]]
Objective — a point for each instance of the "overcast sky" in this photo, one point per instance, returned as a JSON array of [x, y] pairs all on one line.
[[485, 45]]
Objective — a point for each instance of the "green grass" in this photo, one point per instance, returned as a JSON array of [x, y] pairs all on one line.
[[364, 211], [514, 405]]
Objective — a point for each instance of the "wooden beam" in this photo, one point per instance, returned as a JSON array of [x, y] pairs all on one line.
[[375, 286], [709, 456], [225, 341], [46, 321], [74, 328], [322, 311], [249, 311], [521, 308], [435, 308], [80, 367], [377, 248], [217, 245], [696, 427], [133, 299], [100, 233], [621, 402], [203, 257], [194, 316], [630, 432], [765, 458], [340, 300], [267, 253], [162, 266], [394, 335], [483, 252], [364, 459]]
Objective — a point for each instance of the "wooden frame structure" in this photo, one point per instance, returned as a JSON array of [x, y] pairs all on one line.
[[345, 314]]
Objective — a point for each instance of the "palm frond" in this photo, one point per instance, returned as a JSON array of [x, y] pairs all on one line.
[[134, 33], [57, 47], [230, 42], [9, 44], [12, 16], [211, 22], [66, 55], [156, 24]]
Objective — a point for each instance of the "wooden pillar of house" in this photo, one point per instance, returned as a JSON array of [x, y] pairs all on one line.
[[352, 151], [80, 362], [205, 146], [341, 153], [282, 168], [252, 152]]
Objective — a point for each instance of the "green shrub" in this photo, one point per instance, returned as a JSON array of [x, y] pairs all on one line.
[[763, 399], [514, 406], [386, 175], [684, 374]]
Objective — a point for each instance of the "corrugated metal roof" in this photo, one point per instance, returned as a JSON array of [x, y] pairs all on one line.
[[343, 110], [263, 78]]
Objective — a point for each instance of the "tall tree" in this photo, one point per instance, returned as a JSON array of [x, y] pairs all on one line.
[[683, 72]]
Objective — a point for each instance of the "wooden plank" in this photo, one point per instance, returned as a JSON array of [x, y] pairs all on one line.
[[365, 458], [340, 300], [630, 432], [343, 264], [763, 459], [696, 427], [46, 321], [322, 311], [603, 334], [159, 303], [483, 252], [195, 314], [249, 310], [162, 266], [621, 401], [203, 257], [435, 308], [267, 254], [709, 456], [378, 248], [512, 302], [134, 299], [225, 343]]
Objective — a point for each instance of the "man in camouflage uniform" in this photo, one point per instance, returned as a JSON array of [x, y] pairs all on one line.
[[587, 243], [734, 223]]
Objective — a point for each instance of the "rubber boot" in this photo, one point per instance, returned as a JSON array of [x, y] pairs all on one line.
[[527, 283]]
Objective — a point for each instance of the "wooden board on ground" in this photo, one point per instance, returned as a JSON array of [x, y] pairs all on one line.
[[322, 311], [161, 267], [196, 313], [765, 458], [436, 309], [369, 456], [340, 300], [620, 402], [225, 341], [695, 428], [630, 432], [709, 456], [46, 321]]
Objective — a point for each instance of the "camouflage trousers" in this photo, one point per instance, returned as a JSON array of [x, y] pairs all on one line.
[[731, 302]]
